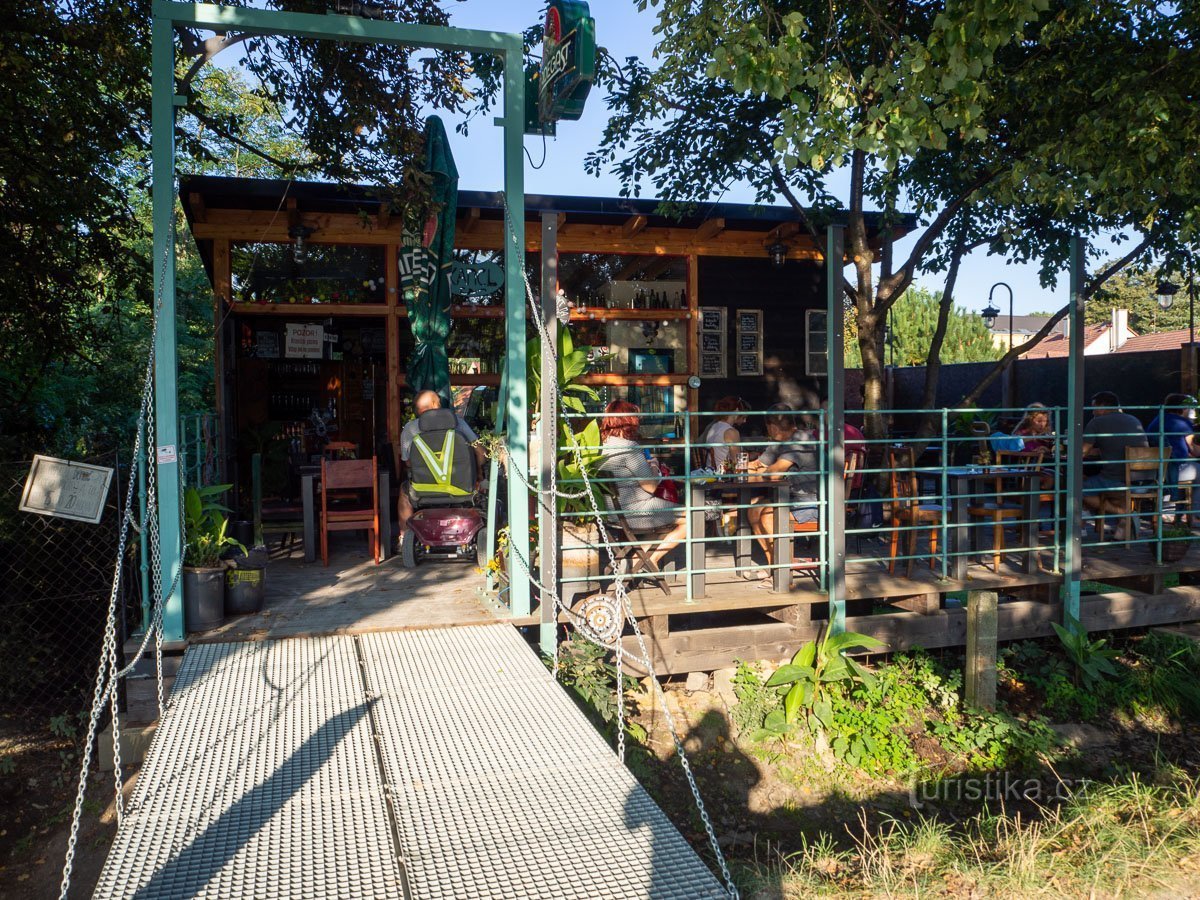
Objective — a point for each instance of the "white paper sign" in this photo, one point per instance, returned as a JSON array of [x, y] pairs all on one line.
[[304, 341], [167, 454], [65, 489]]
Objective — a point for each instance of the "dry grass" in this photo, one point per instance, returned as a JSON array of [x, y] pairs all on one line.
[[1128, 839]]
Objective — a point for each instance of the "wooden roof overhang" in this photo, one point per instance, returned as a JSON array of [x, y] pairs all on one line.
[[262, 210]]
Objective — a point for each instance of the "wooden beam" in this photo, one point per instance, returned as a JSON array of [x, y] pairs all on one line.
[[391, 293], [468, 222], [781, 232], [562, 222], [710, 229], [633, 225], [199, 210], [384, 217]]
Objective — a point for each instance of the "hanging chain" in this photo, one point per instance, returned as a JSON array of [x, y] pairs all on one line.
[[107, 675], [622, 597]]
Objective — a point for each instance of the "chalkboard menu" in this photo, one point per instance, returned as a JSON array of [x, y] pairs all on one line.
[[749, 342], [712, 341]]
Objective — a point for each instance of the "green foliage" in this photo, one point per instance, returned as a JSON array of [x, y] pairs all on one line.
[[1029, 666], [1136, 291], [1093, 659], [1163, 675], [584, 668], [754, 699], [913, 322], [206, 523], [816, 667], [572, 365]]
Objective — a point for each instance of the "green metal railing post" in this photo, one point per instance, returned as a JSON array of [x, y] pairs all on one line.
[[835, 481], [143, 531], [514, 312], [548, 432], [166, 407], [945, 498], [1073, 508], [688, 553]]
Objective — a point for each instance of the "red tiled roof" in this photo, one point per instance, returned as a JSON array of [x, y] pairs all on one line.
[[1057, 344], [1162, 340]]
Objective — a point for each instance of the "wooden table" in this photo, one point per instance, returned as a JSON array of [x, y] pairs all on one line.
[[743, 542], [962, 482]]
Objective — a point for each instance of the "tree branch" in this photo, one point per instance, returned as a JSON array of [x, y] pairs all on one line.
[[206, 51], [284, 165]]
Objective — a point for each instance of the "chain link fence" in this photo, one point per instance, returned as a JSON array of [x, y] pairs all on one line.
[[57, 575]]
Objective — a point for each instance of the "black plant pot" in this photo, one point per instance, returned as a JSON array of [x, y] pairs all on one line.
[[203, 598], [246, 581]]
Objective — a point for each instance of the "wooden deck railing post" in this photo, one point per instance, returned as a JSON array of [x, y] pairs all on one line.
[[981, 649], [835, 480]]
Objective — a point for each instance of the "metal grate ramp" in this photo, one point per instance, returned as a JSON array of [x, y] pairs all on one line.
[[264, 781]]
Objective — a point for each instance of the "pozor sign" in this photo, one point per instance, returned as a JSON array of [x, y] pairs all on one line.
[[568, 60]]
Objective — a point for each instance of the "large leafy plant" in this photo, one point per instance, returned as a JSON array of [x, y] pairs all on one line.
[[816, 667], [206, 526], [572, 365], [572, 466]]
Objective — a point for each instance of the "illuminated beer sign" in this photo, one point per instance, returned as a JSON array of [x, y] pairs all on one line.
[[568, 60]]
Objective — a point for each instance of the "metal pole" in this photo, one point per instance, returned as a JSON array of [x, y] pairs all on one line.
[[514, 313], [548, 430], [143, 532], [1073, 550], [835, 479], [166, 408]]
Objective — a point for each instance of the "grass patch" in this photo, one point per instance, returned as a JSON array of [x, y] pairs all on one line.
[[1119, 839]]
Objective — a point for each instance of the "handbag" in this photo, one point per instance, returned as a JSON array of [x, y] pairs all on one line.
[[667, 489]]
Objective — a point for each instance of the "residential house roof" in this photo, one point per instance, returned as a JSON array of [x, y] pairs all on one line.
[[1057, 344], [1159, 340]]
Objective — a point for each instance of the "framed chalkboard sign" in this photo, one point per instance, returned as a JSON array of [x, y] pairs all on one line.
[[712, 319], [749, 364], [749, 320], [712, 343], [748, 342], [712, 365]]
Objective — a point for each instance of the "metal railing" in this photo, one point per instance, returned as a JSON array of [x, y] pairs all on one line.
[[953, 486]]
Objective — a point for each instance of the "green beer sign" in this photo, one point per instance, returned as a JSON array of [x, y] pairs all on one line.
[[568, 60]]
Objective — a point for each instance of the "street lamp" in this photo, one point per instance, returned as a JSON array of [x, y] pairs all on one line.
[[1165, 292], [990, 312]]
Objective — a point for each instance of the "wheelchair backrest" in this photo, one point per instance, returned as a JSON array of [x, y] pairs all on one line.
[[441, 463]]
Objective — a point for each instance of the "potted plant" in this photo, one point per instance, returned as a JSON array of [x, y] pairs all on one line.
[[1177, 541], [203, 571]]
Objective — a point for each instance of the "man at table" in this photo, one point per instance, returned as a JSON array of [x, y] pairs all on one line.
[[425, 401], [1178, 437], [791, 455], [1106, 436]]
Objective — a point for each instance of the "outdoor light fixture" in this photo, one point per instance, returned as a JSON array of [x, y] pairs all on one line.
[[298, 233], [989, 315], [1165, 292], [778, 251]]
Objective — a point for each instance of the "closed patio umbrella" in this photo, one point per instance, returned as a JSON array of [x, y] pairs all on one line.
[[425, 270]]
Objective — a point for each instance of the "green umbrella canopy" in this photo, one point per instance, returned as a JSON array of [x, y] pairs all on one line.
[[425, 262]]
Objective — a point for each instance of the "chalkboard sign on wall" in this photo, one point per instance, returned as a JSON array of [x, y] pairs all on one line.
[[712, 319], [749, 320], [712, 365], [749, 342], [749, 364], [712, 341]]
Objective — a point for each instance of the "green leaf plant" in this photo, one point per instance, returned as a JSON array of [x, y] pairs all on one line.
[[1093, 659], [816, 667], [206, 527]]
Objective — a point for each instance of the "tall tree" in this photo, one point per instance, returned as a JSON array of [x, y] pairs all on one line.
[[1136, 292], [1006, 125], [914, 319]]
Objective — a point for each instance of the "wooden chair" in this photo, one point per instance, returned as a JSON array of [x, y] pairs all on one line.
[[809, 528], [637, 553], [1143, 472], [340, 450], [339, 478], [999, 510], [908, 510]]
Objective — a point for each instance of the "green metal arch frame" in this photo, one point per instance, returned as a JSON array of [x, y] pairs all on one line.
[[166, 17]]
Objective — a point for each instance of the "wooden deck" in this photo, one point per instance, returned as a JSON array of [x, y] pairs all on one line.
[[739, 620], [354, 596]]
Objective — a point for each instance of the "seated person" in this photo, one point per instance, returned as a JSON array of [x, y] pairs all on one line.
[[792, 451], [635, 479], [1106, 436], [1034, 429], [721, 436], [423, 403], [1178, 437]]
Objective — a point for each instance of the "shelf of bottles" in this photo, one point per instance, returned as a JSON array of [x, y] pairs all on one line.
[[303, 394]]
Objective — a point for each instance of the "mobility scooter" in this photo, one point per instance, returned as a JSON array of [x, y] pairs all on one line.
[[445, 524]]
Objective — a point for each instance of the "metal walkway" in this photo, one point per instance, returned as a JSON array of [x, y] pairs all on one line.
[[444, 763]]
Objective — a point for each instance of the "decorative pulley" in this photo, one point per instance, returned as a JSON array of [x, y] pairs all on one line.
[[599, 619]]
